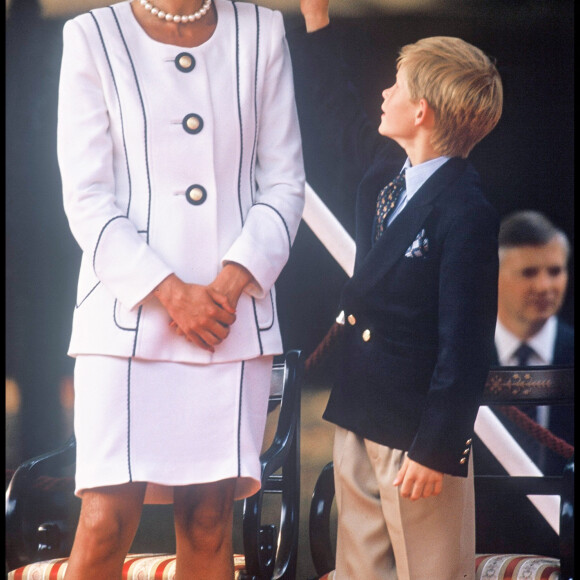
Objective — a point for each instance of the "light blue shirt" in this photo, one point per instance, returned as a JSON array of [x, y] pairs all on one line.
[[415, 177]]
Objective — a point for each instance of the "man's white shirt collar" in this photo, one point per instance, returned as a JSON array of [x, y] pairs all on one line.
[[542, 342]]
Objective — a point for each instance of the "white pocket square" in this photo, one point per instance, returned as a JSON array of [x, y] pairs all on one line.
[[419, 247]]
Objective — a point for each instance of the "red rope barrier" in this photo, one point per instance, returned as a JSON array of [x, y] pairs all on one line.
[[324, 348], [541, 434]]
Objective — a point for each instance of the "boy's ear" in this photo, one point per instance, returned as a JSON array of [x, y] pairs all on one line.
[[424, 114]]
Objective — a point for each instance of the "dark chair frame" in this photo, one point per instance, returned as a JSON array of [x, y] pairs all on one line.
[[504, 386], [41, 519], [266, 556]]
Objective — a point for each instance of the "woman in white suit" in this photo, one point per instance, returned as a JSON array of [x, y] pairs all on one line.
[[183, 183]]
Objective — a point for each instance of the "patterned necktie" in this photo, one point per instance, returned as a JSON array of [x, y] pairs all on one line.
[[523, 353], [387, 202]]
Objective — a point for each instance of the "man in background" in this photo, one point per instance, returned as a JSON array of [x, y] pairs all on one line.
[[532, 282], [533, 277]]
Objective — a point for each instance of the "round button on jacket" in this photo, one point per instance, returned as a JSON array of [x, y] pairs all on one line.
[[196, 194], [185, 62], [192, 123]]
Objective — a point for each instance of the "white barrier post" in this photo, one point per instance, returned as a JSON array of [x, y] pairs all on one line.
[[515, 461], [329, 231]]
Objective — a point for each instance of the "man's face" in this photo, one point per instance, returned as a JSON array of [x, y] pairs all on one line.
[[532, 284], [398, 118]]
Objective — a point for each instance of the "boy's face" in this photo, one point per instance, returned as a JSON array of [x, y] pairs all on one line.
[[399, 111], [532, 283]]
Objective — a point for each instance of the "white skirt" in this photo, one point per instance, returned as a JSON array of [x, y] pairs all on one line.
[[168, 423]]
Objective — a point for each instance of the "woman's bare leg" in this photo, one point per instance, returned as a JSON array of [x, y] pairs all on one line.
[[203, 531], [108, 522]]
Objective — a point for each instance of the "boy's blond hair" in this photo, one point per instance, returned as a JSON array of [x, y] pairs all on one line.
[[461, 85]]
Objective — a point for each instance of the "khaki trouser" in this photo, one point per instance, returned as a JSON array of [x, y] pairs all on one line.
[[382, 536]]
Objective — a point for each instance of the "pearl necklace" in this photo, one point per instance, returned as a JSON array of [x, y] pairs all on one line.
[[176, 18]]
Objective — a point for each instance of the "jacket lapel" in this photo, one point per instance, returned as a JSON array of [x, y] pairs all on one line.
[[392, 245]]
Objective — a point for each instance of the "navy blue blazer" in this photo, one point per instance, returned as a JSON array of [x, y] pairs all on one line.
[[422, 303]]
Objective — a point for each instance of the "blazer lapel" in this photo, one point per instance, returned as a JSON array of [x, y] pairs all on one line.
[[392, 245]]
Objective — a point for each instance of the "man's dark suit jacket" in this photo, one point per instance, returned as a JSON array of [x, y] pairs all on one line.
[[564, 345], [562, 417], [416, 351]]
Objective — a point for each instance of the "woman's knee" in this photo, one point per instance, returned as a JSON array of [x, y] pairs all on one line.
[[204, 514], [108, 520]]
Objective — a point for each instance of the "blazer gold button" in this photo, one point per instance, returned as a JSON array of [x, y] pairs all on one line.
[[366, 335], [185, 62], [351, 319], [192, 123], [465, 451], [468, 442], [196, 194], [463, 460]]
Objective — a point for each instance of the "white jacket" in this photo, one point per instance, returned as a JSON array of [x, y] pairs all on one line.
[[131, 169]]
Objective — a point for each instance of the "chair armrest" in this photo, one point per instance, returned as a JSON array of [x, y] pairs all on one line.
[[537, 385], [273, 458], [518, 484], [267, 557], [319, 521], [39, 477]]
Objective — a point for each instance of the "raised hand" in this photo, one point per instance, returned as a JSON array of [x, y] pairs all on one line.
[[315, 14]]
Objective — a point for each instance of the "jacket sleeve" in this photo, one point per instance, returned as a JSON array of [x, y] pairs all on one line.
[[271, 224], [121, 258], [467, 317], [328, 104]]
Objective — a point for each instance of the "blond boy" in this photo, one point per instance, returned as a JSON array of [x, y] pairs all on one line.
[[419, 312]]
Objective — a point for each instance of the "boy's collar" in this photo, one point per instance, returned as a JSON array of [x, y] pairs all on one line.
[[417, 175]]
